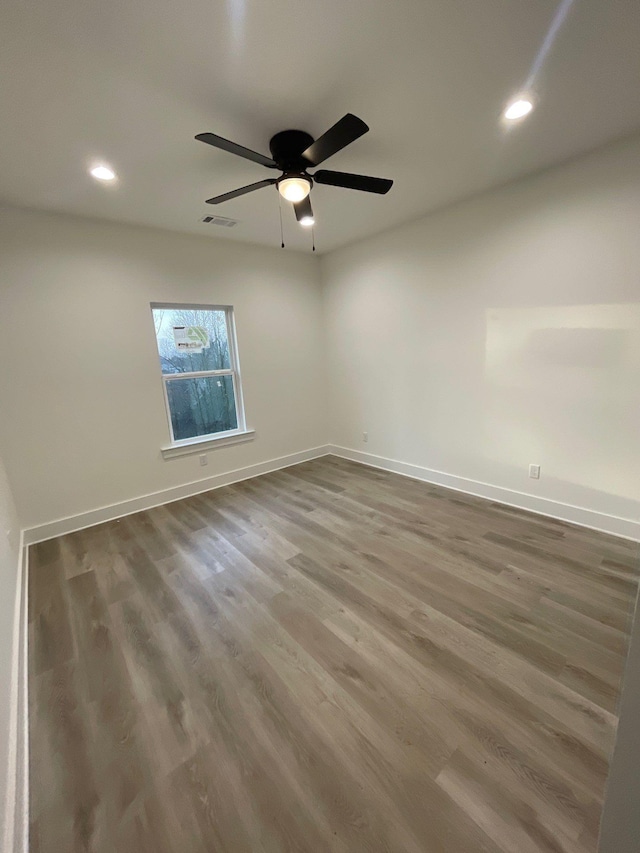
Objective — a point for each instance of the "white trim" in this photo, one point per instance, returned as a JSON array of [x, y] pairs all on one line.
[[234, 357], [206, 442], [196, 374], [61, 526], [16, 816], [189, 306], [21, 837], [626, 528]]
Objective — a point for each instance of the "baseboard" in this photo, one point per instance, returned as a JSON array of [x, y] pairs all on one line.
[[61, 526], [624, 527], [16, 817]]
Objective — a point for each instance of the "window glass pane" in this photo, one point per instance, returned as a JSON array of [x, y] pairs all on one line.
[[191, 340], [201, 406]]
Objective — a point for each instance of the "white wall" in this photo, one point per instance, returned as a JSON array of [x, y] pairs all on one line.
[[83, 415], [9, 554], [500, 332]]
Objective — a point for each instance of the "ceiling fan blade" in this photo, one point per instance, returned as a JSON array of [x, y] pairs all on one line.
[[233, 148], [303, 209], [353, 182], [343, 133], [242, 191]]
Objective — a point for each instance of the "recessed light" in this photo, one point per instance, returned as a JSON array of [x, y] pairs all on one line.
[[102, 173], [517, 109], [307, 221]]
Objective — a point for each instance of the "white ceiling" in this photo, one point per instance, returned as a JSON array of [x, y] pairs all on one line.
[[130, 82]]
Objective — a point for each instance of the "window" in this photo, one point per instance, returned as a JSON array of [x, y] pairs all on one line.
[[199, 364]]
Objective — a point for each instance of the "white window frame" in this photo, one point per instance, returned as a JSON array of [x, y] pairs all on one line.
[[196, 444]]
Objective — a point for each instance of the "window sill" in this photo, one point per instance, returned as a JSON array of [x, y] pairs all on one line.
[[207, 442]]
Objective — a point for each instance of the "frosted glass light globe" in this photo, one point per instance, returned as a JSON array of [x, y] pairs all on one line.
[[294, 189]]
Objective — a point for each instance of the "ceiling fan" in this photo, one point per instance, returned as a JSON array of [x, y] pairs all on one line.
[[293, 152]]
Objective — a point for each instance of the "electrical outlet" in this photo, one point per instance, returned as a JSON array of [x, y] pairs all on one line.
[[365, 436], [203, 460], [534, 472]]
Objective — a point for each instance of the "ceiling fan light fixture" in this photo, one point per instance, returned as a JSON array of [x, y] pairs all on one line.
[[293, 152], [294, 188]]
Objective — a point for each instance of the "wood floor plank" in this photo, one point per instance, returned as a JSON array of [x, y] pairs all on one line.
[[326, 658]]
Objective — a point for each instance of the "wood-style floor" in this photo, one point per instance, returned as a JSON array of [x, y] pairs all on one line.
[[326, 658]]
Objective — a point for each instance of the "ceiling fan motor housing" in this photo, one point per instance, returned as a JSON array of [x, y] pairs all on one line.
[[286, 149]]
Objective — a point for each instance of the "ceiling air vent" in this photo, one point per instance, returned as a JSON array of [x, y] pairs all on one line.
[[219, 220]]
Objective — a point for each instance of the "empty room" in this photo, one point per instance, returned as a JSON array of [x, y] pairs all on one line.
[[320, 426]]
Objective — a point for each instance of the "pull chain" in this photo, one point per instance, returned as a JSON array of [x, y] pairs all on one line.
[[281, 231], [313, 238]]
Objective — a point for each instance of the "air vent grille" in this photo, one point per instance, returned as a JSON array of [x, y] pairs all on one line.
[[219, 220]]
